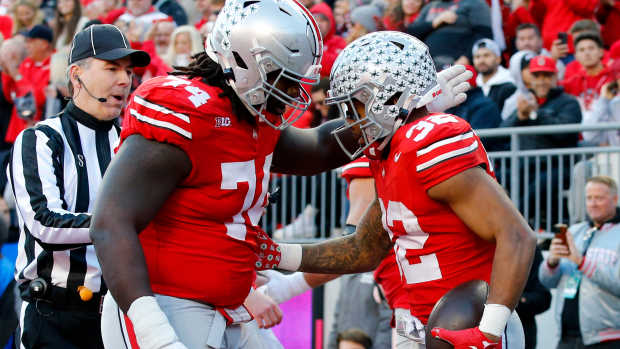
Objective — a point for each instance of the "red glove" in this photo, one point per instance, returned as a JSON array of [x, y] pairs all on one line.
[[268, 252], [470, 338]]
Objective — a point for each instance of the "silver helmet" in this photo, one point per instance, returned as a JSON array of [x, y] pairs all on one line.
[[252, 38], [391, 73]]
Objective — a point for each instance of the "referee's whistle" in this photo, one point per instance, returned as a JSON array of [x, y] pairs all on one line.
[[85, 293]]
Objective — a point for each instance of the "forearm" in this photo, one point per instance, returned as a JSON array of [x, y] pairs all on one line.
[[511, 266], [356, 253], [123, 265]]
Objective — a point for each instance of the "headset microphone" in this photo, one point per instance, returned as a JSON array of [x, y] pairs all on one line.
[[100, 99]]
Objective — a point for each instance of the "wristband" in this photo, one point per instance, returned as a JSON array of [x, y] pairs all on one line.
[[494, 319], [290, 257], [150, 324]]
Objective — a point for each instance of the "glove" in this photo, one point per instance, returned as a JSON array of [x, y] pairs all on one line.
[[281, 287], [409, 326], [470, 338], [269, 254], [453, 84]]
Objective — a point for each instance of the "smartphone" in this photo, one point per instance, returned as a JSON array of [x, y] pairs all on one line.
[[563, 37], [560, 232]]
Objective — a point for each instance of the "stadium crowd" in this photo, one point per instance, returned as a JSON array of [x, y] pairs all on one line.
[[534, 62]]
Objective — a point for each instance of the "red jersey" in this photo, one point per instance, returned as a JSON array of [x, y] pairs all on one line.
[[202, 242], [386, 274], [435, 250]]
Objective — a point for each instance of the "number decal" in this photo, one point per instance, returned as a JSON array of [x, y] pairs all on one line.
[[197, 96], [239, 172], [428, 267], [425, 126]]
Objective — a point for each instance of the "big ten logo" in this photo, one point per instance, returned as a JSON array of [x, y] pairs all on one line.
[[222, 121]]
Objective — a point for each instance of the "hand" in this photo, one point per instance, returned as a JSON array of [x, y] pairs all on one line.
[[265, 310], [410, 327], [524, 107], [573, 254], [608, 91], [453, 84], [447, 17], [557, 250], [135, 31], [268, 252], [281, 287], [558, 49], [470, 338]]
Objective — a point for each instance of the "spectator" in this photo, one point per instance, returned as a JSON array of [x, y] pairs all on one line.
[[587, 82], [548, 105], [354, 339], [605, 109], [26, 14], [6, 26], [494, 80], [518, 14], [528, 38], [608, 15], [12, 52], [172, 9], [399, 14], [28, 87], [450, 27], [332, 43], [342, 17], [479, 111], [318, 112], [520, 71], [204, 7], [535, 299], [160, 34], [558, 16], [185, 42], [142, 15], [584, 269], [69, 20], [581, 26], [364, 20]]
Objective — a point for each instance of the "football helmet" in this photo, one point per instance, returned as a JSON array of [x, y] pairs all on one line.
[[252, 38], [391, 73]]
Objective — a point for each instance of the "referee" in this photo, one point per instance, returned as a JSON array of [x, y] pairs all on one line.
[[55, 171]]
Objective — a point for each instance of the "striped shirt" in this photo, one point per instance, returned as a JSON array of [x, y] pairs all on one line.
[[55, 171]]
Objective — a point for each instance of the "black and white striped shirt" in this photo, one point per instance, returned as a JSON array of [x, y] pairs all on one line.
[[55, 171]]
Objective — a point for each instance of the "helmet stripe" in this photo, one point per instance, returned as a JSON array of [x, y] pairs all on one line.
[[310, 17]]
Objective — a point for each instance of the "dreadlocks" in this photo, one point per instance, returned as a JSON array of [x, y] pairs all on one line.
[[202, 66]]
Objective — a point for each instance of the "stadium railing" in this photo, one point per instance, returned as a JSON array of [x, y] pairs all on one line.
[[314, 208]]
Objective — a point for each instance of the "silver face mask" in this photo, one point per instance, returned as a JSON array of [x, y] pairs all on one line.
[[391, 73], [253, 38]]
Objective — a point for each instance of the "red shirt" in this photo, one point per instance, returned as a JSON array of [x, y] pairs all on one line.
[[202, 243], [35, 77], [586, 87], [435, 250]]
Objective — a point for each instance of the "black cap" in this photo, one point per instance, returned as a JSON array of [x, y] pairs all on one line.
[[106, 42], [40, 31]]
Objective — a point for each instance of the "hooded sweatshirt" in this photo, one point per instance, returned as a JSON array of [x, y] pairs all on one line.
[[499, 87], [332, 43]]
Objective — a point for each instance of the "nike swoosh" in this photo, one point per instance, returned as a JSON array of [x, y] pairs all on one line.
[[396, 157]]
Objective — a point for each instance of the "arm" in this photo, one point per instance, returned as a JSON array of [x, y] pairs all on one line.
[[595, 268], [600, 113], [583, 8], [356, 253], [309, 151], [472, 194], [126, 205], [38, 193], [421, 27]]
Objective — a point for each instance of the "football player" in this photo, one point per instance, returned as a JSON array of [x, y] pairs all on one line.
[[439, 206], [191, 176]]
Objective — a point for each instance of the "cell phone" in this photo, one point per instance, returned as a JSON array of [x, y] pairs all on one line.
[[563, 37], [560, 232]]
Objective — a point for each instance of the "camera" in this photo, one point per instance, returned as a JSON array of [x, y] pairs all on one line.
[[26, 106]]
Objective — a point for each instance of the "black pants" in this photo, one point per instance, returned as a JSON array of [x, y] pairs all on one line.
[[577, 343], [47, 327]]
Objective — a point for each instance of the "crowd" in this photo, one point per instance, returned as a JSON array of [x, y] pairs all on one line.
[[534, 62]]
